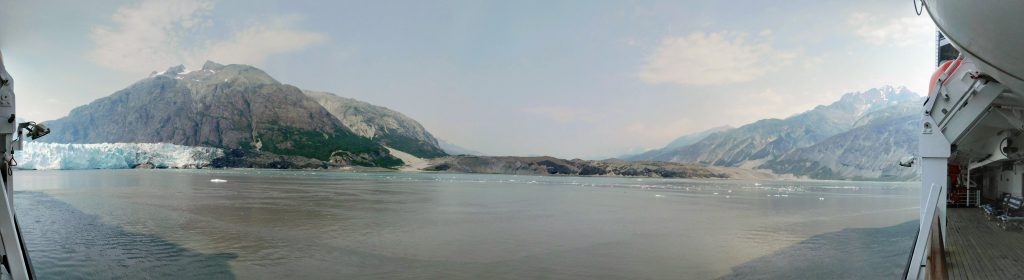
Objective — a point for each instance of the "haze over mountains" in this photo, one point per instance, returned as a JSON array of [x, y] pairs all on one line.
[[454, 149], [264, 123], [861, 136]]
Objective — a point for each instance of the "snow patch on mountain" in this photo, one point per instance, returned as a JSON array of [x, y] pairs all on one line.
[[38, 155]]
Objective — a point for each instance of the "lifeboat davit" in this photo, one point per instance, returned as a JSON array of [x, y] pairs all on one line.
[[942, 69]]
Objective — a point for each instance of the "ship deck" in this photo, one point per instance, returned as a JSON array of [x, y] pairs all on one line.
[[977, 248]]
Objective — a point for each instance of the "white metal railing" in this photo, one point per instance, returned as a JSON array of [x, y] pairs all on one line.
[[929, 238], [968, 198]]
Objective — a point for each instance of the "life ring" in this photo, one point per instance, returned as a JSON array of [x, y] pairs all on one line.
[[938, 72]]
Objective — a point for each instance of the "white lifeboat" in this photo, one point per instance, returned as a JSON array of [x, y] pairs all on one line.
[[989, 34]]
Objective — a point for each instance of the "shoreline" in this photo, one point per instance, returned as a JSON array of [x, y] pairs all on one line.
[[359, 169]]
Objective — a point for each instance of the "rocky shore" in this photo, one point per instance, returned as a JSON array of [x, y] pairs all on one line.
[[556, 166], [163, 156], [241, 158]]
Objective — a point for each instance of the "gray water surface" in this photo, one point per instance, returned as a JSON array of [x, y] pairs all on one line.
[[177, 224]]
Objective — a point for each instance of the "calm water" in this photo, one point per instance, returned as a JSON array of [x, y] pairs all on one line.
[[176, 224]]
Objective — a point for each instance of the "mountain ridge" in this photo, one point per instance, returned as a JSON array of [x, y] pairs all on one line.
[[763, 143], [224, 106], [388, 127]]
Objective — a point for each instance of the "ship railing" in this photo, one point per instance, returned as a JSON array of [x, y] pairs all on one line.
[[967, 198], [928, 258]]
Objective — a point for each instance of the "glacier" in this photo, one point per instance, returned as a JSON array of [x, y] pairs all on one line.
[[42, 156]]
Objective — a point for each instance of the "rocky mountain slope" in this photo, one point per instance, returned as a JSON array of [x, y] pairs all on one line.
[[232, 106], [383, 125], [682, 141], [690, 139], [832, 130], [870, 151]]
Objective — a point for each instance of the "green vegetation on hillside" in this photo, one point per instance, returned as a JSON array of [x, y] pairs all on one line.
[[285, 140]]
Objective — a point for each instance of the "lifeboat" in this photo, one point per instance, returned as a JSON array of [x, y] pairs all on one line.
[[988, 33]]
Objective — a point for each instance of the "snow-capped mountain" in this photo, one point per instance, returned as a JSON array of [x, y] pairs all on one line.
[[765, 143], [222, 106]]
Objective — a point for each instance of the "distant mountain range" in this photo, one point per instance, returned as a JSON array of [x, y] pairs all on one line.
[[861, 136], [242, 107], [453, 149], [690, 139], [261, 122]]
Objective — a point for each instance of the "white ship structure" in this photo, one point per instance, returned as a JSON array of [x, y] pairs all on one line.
[[971, 153]]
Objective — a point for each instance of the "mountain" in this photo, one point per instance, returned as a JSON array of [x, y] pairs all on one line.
[[690, 139], [870, 151], [680, 142], [383, 125], [905, 108], [222, 106], [453, 149], [771, 140]]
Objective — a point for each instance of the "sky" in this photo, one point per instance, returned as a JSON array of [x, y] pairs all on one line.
[[574, 79]]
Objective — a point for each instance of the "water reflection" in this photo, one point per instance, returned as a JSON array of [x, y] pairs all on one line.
[[67, 244], [329, 225], [854, 253]]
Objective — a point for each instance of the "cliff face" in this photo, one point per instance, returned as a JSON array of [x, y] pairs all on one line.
[[383, 125], [233, 106]]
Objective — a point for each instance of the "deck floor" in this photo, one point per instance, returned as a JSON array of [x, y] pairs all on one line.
[[977, 248]]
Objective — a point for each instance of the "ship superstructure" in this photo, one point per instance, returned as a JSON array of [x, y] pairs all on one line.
[[972, 144], [15, 262]]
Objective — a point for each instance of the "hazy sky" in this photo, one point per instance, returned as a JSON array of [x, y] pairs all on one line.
[[566, 78]]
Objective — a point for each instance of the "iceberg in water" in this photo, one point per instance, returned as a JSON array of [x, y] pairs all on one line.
[[38, 155]]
